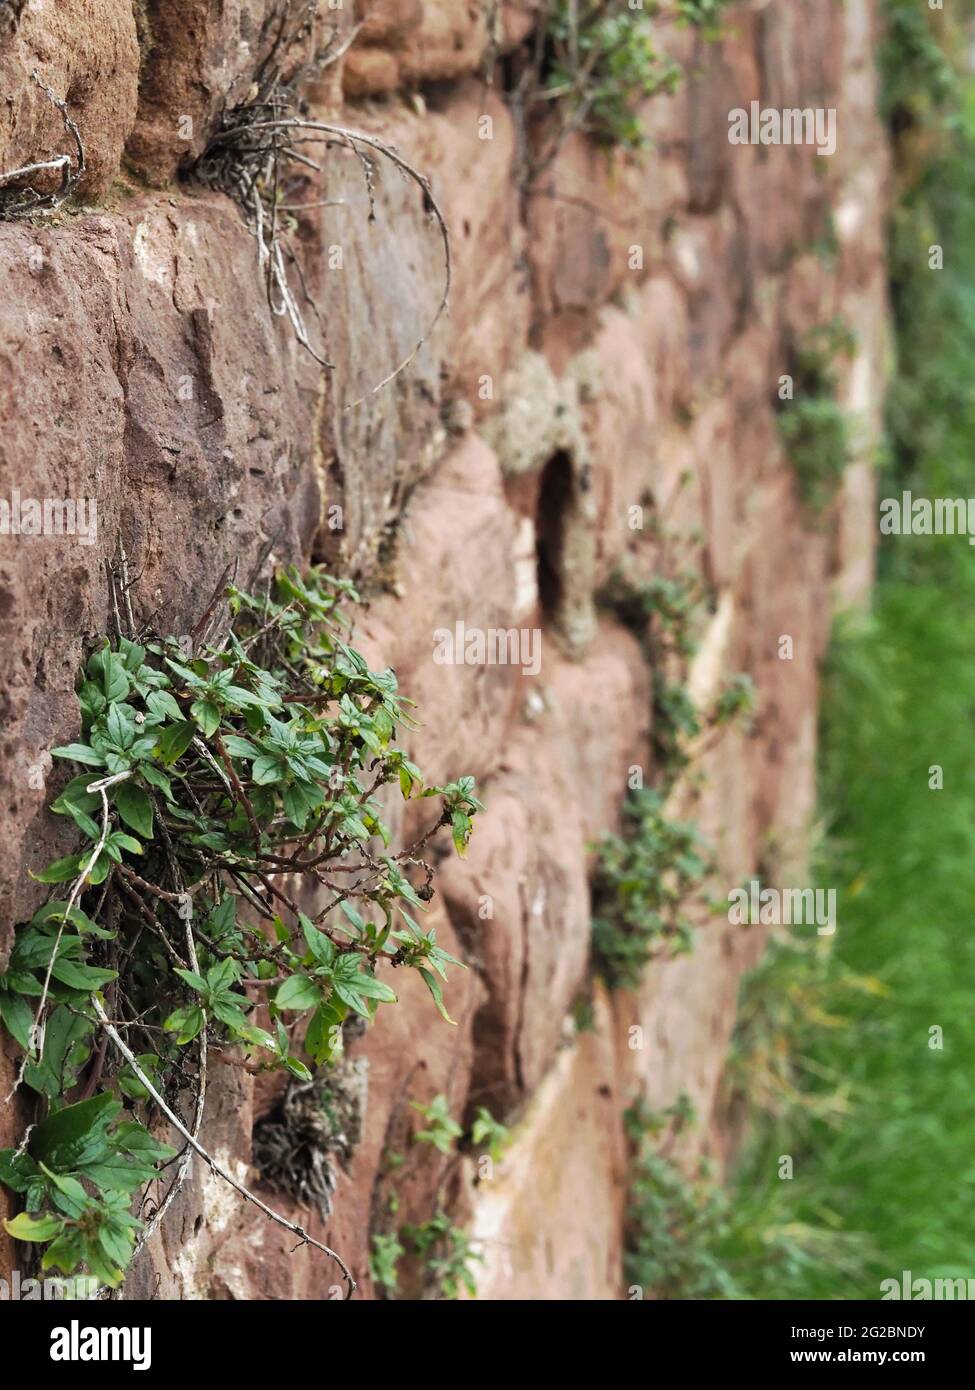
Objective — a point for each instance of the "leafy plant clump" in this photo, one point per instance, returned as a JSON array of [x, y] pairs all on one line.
[[446, 1253], [588, 68], [676, 1225], [602, 61], [387, 1251], [489, 1134], [662, 611], [705, 15], [641, 886], [439, 1254], [77, 1178], [812, 425], [441, 1130], [222, 780]]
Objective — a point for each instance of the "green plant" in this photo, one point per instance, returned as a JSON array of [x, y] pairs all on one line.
[[677, 721], [919, 83], [446, 1253], [442, 1130], [77, 1176], [583, 1011], [705, 15], [601, 63], [218, 774], [661, 612], [735, 701], [675, 1224], [490, 1134], [664, 613], [812, 425], [384, 1261], [641, 885]]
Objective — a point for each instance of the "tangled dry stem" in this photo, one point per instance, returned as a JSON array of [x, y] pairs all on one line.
[[249, 159], [28, 201]]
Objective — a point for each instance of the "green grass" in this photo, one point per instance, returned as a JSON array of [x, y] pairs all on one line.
[[893, 1179]]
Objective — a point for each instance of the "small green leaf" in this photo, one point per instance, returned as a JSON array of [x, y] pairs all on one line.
[[297, 1068], [437, 993], [186, 1023], [207, 716], [194, 981], [371, 988], [84, 977], [135, 808], [61, 870], [79, 753], [17, 1017], [240, 747], [174, 741], [298, 992], [267, 769], [161, 703], [34, 1228], [62, 1140]]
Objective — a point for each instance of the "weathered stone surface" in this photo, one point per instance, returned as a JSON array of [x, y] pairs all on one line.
[[520, 900], [558, 1237], [87, 52], [520, 905], [453, 565], [200, 57], [379, 285], [407, 43]]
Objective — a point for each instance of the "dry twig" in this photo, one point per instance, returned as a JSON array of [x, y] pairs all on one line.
[[27, 201]]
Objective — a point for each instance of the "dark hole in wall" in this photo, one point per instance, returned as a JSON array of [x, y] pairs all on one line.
[[554, 501]]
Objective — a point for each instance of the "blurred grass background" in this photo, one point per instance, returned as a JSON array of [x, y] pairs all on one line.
[[832, 1063]]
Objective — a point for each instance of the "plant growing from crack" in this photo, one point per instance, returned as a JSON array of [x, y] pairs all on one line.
[[441, 1252], [19, 195], [645, 876], [446, 1253], [256, 158], [812, 425], [665, 613], [588, 68], [221, 771], [676, 1225], [641, 887]]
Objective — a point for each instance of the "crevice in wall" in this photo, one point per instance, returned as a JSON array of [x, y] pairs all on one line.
[[554, 507]]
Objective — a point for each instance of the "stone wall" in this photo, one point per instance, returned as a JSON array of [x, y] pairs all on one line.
[[618, 329]]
